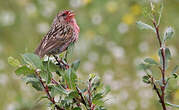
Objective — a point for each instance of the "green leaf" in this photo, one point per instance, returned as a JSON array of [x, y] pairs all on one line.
[[76, 64], [160, 14], [73, 94], [167, 57], [24, 70], [71, 78], [175, 75], [144, 66], [100, 108], [167, 53], [69, 51], [42, 97], [96, 84], [32, 79], [50, 66], [77, 108], [58, 89], [46, 75], [143, 25], [150, 61], [159, 82], [146, 79], [98, 102], [97, 96], [91, 76], [175, 69], [168, 34], [107, 90], [13, 62], [172, 105], [32, 60]]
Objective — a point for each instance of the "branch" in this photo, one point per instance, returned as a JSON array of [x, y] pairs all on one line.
[[162, 49], [47, 91]]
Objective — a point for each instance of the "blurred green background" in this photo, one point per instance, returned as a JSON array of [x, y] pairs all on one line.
[[110, 45]]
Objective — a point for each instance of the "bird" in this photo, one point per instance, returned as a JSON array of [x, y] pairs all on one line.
[[64, 30]]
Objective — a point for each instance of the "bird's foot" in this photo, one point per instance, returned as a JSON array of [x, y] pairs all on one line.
[[63, 65]]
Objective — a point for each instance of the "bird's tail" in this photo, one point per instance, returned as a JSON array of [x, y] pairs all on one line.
[[39, 52]]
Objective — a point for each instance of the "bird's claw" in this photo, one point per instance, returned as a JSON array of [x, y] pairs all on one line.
[[63, 65]]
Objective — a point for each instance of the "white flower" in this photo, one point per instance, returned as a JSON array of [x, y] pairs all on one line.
[[30, 9], [137, 61], [110, 44], [2, 64], [132, 105], [108, 76], [3, 79], [140, 73], [56, 98], [7, 18], [112, 99], [11, 106], [123, 95], [115, 85], [118, 52], [106, 59], [76, 3], [96, 19], [173, 50], [81, 47], [42, 27], [122, 28], [145, 94], [49, 8], [88, 66], [93, 56], [143, 47], [156, 1], [144, 103], [98, 40]]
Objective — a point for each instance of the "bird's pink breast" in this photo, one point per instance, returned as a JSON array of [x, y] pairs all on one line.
[[76, 28]]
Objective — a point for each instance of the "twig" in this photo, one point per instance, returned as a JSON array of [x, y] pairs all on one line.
[[61, 63], [155, 88], [162, 49], [89, 95], [47, 91], [83, 100]]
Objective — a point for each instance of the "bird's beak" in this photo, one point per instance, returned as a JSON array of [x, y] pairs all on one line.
[[72, 14]]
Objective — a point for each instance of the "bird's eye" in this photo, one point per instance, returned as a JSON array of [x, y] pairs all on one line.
[[64, 14]]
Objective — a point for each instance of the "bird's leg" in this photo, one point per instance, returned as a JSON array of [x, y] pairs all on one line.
[[61, 63]]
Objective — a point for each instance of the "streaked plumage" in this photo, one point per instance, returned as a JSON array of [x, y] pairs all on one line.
[[64, 30]]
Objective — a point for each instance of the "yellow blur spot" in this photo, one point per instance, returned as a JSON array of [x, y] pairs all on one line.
[[128, 19], [155, 57], [111, 6], [136, 9], [89, 34], [86, 1], [177, 94], [103, 29], [22, 2]]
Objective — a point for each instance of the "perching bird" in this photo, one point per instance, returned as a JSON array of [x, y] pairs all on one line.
[[64, 31]]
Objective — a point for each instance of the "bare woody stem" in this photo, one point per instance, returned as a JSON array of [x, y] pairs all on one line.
[[92, 106], [47, 91], [82, 98], [162, 50]]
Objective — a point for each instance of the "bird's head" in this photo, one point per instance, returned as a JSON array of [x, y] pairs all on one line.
[[66, 15]]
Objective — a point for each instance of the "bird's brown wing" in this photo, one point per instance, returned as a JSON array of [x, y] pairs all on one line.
[[58, 36]]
